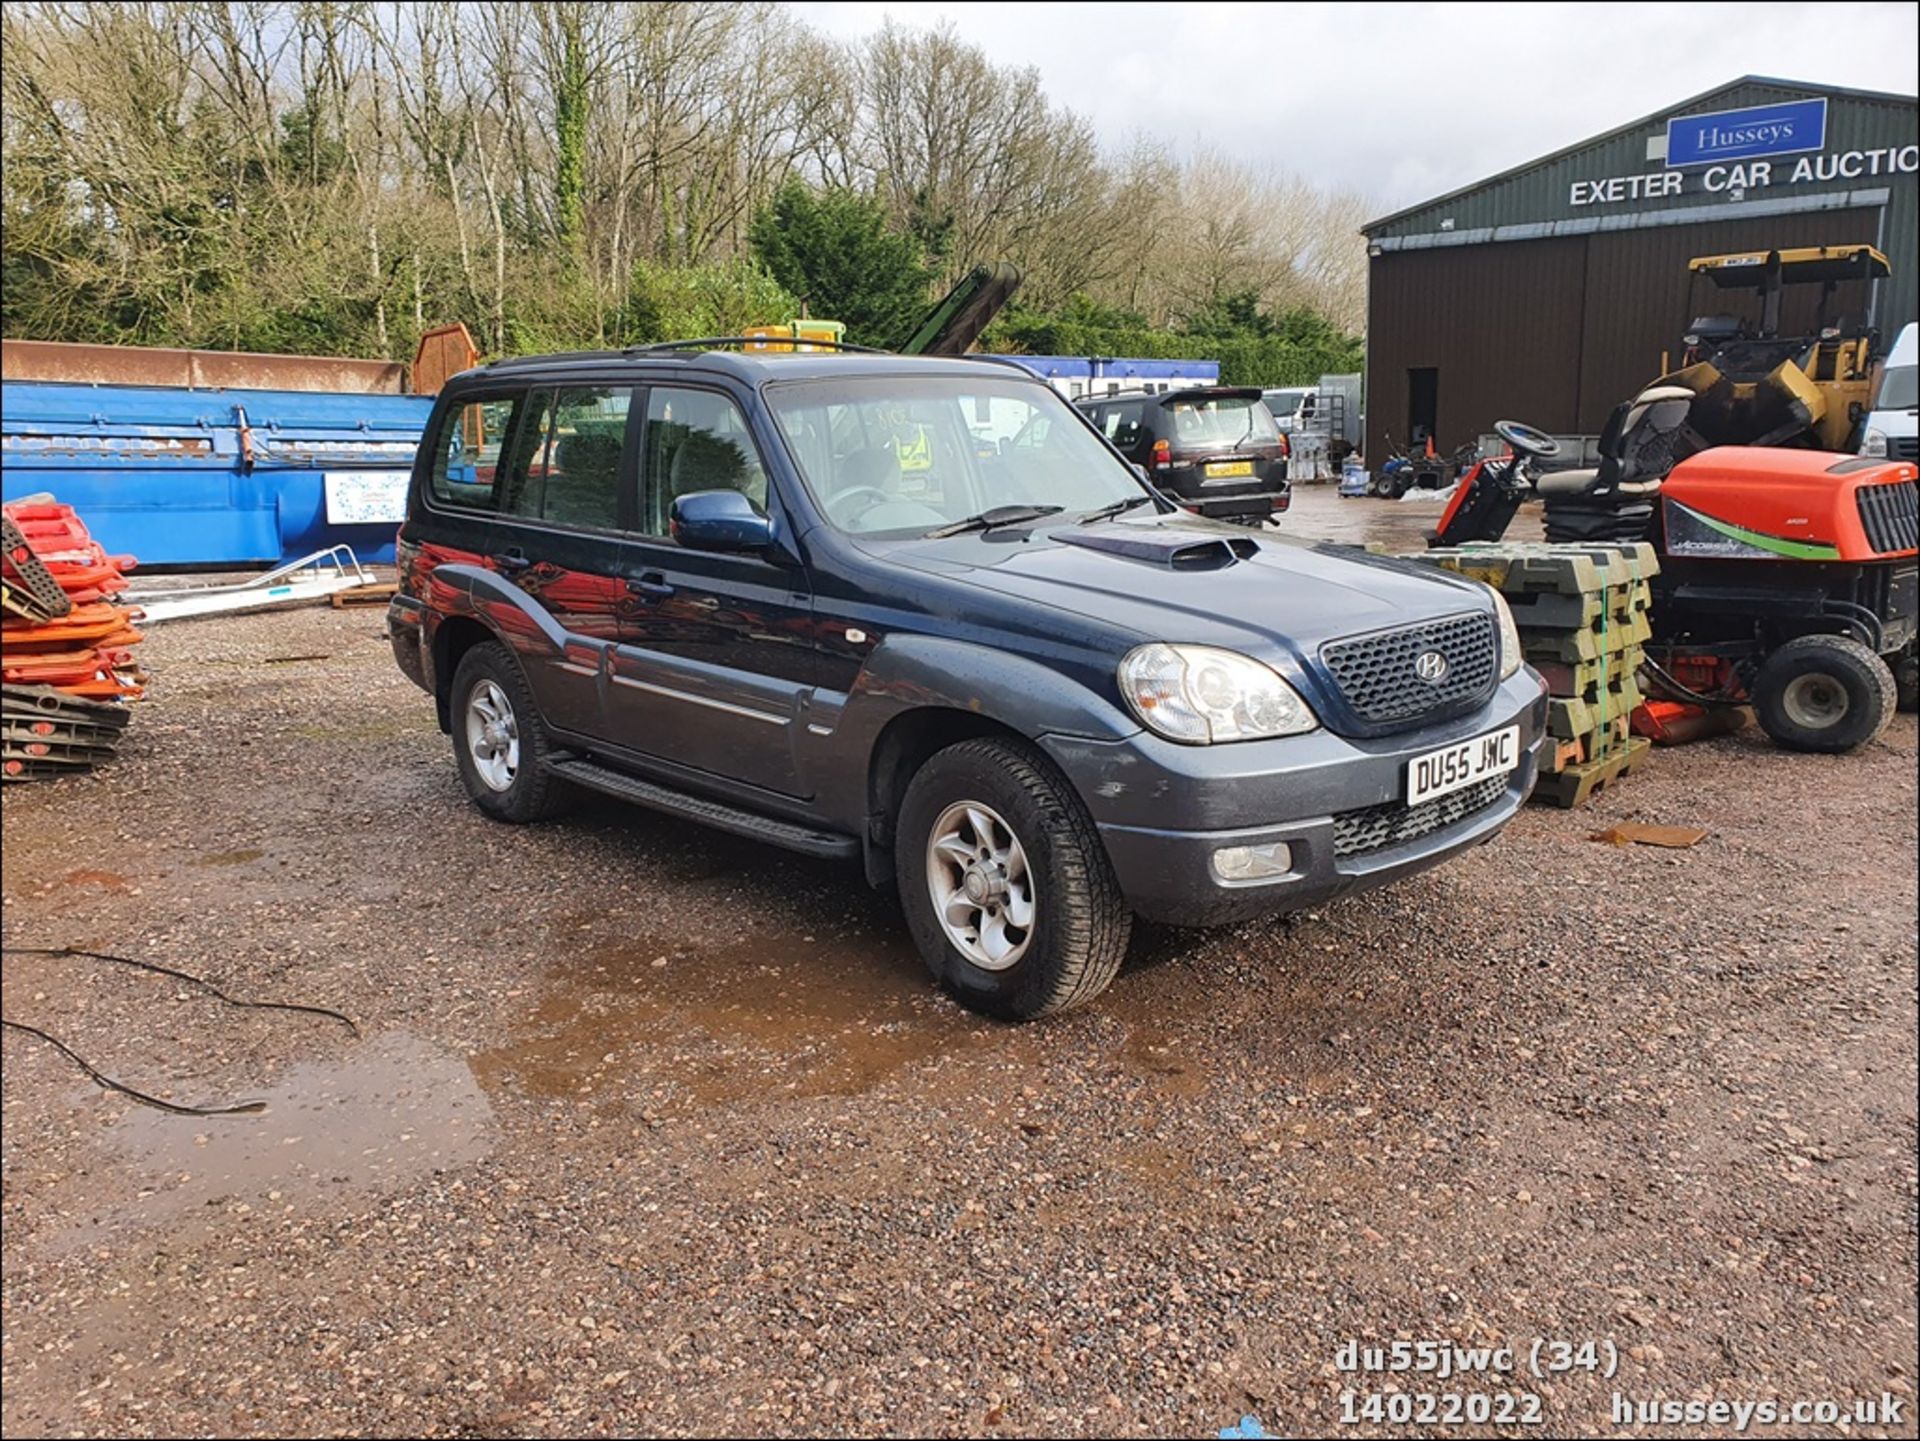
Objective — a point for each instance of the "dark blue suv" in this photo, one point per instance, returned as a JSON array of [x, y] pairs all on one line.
[[919, 614]]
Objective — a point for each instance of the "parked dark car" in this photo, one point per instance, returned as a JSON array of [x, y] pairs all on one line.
[[1214, 449], [1009, 678]]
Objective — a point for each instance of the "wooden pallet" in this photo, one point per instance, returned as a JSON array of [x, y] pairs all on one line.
[[376, 593], [1563, 754], [1578, 784]]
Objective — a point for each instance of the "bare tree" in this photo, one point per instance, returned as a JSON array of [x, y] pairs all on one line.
[[341, 173]]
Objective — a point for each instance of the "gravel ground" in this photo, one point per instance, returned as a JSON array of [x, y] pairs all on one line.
[[649, 1129]]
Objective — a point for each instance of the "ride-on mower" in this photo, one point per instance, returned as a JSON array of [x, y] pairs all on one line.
[[1789, 579]]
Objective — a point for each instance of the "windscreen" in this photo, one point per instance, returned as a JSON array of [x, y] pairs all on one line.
[[902, 455], [1220, 422], [1897, 388], [1282, 403]]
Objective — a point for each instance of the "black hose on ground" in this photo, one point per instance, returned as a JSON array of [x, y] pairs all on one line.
[[101, 1078], [204, 985]]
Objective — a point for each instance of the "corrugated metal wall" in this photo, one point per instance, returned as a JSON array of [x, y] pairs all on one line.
[[1555, 332], [1500, 323]]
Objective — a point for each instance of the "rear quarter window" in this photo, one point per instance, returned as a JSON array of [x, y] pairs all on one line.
[[466, 458]]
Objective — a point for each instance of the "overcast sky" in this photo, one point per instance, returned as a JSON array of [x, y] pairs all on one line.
[[1402, 102]]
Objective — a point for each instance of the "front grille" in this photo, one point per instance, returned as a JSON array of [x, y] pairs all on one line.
[[1890, 514], [1375, 828], [1904, 447], [1378, 681]]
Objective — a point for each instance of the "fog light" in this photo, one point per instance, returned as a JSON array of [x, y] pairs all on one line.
[[1253, 863]]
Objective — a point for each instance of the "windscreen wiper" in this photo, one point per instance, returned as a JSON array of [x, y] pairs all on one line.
[[998, 516], [1108, 512]]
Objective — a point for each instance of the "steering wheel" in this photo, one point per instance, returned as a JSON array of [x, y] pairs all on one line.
[[1525, 440], [841, 514]]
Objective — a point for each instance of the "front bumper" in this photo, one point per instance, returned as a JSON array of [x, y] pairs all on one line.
[[1163, 809]]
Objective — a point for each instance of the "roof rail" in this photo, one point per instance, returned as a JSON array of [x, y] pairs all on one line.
[[1012, 362], [759, 342], [509, 362]]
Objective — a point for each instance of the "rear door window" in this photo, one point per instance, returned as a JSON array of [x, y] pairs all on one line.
[[579, 464]]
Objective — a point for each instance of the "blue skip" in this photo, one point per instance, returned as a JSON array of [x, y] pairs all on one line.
[[210, 478]]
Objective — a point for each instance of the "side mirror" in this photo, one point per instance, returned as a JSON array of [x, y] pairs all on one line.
[[1138, 469], [722, 520]]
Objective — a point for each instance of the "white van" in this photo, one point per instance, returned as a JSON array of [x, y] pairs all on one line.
[[1285, 404], [1891, 428]]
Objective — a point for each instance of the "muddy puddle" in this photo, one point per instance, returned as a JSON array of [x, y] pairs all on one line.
[[664, 1026], [653, 1028], [383, 1113]]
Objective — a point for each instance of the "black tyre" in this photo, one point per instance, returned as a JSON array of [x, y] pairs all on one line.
[[1005, 883], [1823, 693], [498, 741], [1906, 676]]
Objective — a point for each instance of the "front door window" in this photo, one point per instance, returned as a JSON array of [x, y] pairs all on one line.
[[697, 440]]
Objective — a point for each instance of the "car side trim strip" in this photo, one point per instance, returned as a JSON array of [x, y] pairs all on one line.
[[707, 701]]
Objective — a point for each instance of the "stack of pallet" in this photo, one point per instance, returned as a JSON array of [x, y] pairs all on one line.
[[1583, 618], [64, 640]]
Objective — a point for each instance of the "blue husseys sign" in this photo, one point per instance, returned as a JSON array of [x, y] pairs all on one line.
[[1783, 129]]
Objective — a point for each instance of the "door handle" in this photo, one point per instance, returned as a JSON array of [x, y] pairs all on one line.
[[653, 585], [510, 562]]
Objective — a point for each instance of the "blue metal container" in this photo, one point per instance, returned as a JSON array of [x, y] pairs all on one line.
[[180, 477], [1076, 376]]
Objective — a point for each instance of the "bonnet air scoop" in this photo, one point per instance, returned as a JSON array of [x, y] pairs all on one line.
[[1174, 549]]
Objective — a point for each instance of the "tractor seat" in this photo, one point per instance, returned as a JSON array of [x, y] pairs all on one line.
[[1567, 482], [1662, 392]]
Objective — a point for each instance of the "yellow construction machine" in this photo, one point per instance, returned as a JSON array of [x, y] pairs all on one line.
[[1754, 386]]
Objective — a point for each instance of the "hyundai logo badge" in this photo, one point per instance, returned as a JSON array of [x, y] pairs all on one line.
[[1431, 667]]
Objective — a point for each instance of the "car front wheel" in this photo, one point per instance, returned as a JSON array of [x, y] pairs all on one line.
[[1005, 883]]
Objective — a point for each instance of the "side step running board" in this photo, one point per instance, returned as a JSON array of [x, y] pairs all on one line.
[[826, 844]]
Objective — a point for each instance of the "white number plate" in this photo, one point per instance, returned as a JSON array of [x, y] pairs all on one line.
[[1437, 773]]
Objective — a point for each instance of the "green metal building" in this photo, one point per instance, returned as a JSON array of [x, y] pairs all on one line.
[[1549, 293]]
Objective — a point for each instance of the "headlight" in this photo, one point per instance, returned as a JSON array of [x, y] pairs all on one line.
[[1200, 695], [1874, 444], [1509, 636]]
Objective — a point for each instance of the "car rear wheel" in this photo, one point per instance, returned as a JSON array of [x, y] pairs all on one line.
[[1824, 693], [1005, 884], [499, 743]]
